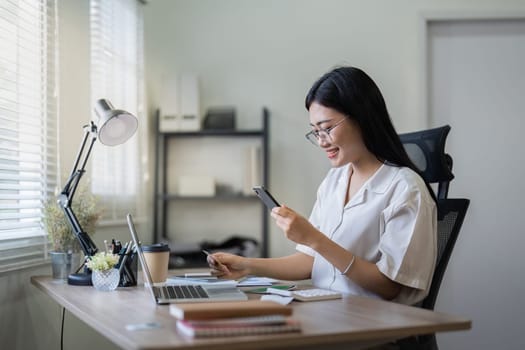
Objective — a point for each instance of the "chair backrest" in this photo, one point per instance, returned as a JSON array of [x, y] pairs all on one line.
[[451, 212], [426, 148]]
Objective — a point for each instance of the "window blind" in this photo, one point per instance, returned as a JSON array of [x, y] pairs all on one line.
[[117, 75], [28, 127]]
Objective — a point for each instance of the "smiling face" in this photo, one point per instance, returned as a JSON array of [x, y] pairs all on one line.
[[345, 143]]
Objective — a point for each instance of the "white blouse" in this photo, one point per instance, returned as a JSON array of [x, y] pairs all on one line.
[[391, 221]]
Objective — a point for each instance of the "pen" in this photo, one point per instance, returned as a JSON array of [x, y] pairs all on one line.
[[122, 266], [215, 262], [121, 257], [124, 250]]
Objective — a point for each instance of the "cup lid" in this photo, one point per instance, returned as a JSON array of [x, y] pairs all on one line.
[[157, 247]]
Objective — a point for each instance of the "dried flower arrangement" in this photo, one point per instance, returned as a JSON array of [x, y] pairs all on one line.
[[88, 212]]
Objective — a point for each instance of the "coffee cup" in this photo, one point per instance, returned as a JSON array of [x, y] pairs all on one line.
[[157, 258]]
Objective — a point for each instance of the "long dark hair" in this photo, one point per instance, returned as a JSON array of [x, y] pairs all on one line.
[[351, 92]]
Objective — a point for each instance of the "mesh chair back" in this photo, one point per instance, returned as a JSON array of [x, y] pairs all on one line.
[[451, 213], [426, 149]]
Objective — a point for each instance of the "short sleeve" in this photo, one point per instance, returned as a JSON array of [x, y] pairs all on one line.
[[408, 243], [315, 221]]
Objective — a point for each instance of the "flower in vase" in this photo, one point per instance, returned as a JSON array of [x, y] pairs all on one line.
[[102, 261]]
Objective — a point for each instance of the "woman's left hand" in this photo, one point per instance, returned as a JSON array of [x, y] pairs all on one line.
[[296, 228]]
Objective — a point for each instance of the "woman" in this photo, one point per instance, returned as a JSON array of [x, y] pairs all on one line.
[[373, 227]]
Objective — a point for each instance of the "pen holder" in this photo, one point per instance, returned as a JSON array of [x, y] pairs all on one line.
[[127, 266]]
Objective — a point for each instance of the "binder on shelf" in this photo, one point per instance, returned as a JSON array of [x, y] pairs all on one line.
[[180, 104]]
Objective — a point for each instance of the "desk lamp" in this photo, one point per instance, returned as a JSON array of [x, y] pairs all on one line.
[[113, 128]]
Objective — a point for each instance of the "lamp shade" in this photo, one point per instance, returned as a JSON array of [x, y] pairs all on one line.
[[114, 126]]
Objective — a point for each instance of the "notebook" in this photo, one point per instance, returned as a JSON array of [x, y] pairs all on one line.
[[238, 326], [167, 294], [228, 310]]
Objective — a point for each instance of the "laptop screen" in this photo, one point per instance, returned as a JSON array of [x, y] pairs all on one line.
[[136, 241]]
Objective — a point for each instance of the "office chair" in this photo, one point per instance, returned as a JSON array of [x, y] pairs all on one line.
[[426, 149], [451, 213]]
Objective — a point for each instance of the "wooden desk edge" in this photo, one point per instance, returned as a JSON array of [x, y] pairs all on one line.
[[366, 337]]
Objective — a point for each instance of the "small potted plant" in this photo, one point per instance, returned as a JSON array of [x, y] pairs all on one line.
[[104, 276], [65, 256]]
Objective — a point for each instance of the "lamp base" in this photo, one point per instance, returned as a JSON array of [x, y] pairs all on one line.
[[79, 279]]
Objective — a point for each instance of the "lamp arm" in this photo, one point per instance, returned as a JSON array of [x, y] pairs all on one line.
[[76, 173], [88, 247], [66, 196]]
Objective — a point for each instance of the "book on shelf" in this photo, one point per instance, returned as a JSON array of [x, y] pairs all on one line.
[[270, 324], [228, 309], [252, 169]]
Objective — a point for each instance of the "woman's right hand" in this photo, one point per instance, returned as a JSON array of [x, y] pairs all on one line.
[[230, 266]]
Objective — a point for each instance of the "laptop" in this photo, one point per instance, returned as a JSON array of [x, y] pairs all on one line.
[[169, 294]]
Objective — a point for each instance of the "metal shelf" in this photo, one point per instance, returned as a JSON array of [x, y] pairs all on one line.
[[216, 133], [162, 197], [219, 197]]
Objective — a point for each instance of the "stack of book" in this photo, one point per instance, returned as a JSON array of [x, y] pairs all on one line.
[[233, 318]]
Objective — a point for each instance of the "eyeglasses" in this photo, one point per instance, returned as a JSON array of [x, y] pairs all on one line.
[[315, 136]]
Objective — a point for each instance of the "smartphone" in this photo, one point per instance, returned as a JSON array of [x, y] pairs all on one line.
[[266, 197]]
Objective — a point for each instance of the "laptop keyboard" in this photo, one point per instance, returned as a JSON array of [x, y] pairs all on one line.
[[182, 292]]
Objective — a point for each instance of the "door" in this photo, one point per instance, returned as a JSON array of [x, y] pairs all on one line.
[[476, 81]]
